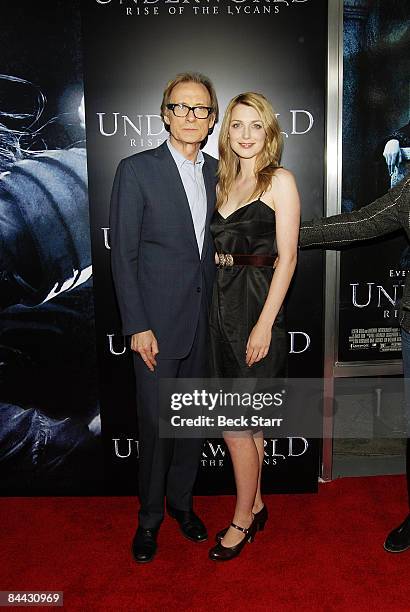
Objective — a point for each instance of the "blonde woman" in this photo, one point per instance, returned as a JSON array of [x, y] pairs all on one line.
[[255, 223]]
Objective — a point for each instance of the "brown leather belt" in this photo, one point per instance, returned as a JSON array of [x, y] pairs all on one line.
[[227, 260]]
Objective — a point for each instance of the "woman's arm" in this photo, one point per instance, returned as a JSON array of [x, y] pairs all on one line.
[[284, 198]]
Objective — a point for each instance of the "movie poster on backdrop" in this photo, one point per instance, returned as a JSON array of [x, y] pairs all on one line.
[[376, 141], [131, 50], [49, 410]]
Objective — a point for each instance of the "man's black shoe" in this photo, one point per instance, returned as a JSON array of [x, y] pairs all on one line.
[[144, 544], [190, 524], [398, 540]]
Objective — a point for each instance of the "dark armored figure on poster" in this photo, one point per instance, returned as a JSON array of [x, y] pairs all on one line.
[[163, 269], [49, 440]]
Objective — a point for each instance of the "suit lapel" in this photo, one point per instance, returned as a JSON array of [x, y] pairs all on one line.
[[210, 197]]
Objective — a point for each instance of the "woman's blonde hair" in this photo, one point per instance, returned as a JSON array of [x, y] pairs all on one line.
[[268, 159]]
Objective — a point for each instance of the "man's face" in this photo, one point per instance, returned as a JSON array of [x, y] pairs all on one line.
[[189, 129]]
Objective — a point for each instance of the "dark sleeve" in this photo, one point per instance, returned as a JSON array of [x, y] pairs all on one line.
[[376, 219], [126, 215], [402, 135]]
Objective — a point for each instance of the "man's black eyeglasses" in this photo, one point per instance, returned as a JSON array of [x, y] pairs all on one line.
[[182, 110]]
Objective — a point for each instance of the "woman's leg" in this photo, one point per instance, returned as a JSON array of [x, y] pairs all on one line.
[[259, 443], [245, 461]]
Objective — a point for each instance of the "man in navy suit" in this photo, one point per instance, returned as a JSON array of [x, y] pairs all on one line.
[[163, 268]]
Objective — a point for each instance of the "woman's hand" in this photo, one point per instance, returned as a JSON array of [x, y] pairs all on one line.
[[216, 259], [258, 343]]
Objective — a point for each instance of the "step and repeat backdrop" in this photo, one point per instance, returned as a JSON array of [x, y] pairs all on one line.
[[131, 50], [67, 393]]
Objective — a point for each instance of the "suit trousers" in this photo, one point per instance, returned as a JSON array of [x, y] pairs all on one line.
[[167, 467]]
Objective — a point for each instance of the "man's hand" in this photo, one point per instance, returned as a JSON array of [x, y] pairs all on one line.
[[392, 154], [146, 345]]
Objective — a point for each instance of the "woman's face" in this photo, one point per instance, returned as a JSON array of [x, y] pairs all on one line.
[[246, 132]]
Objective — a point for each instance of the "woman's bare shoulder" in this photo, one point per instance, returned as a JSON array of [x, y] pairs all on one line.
[[282, 178], [282, 182]]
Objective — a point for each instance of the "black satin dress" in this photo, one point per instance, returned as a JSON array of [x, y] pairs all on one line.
[[240, 292]]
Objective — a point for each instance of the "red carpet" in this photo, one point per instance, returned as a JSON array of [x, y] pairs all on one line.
[[318, 552]]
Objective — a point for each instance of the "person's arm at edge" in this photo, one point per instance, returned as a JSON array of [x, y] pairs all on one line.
[[378, 218]]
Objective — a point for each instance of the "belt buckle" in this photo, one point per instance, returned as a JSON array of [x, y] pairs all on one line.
[[225, 260]]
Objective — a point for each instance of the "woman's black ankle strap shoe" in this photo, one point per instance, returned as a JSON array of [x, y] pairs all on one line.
[[225, 553], [260, 517], [243, 529]]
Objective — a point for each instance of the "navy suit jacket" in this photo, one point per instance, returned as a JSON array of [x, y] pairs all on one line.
[[158, 273]]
